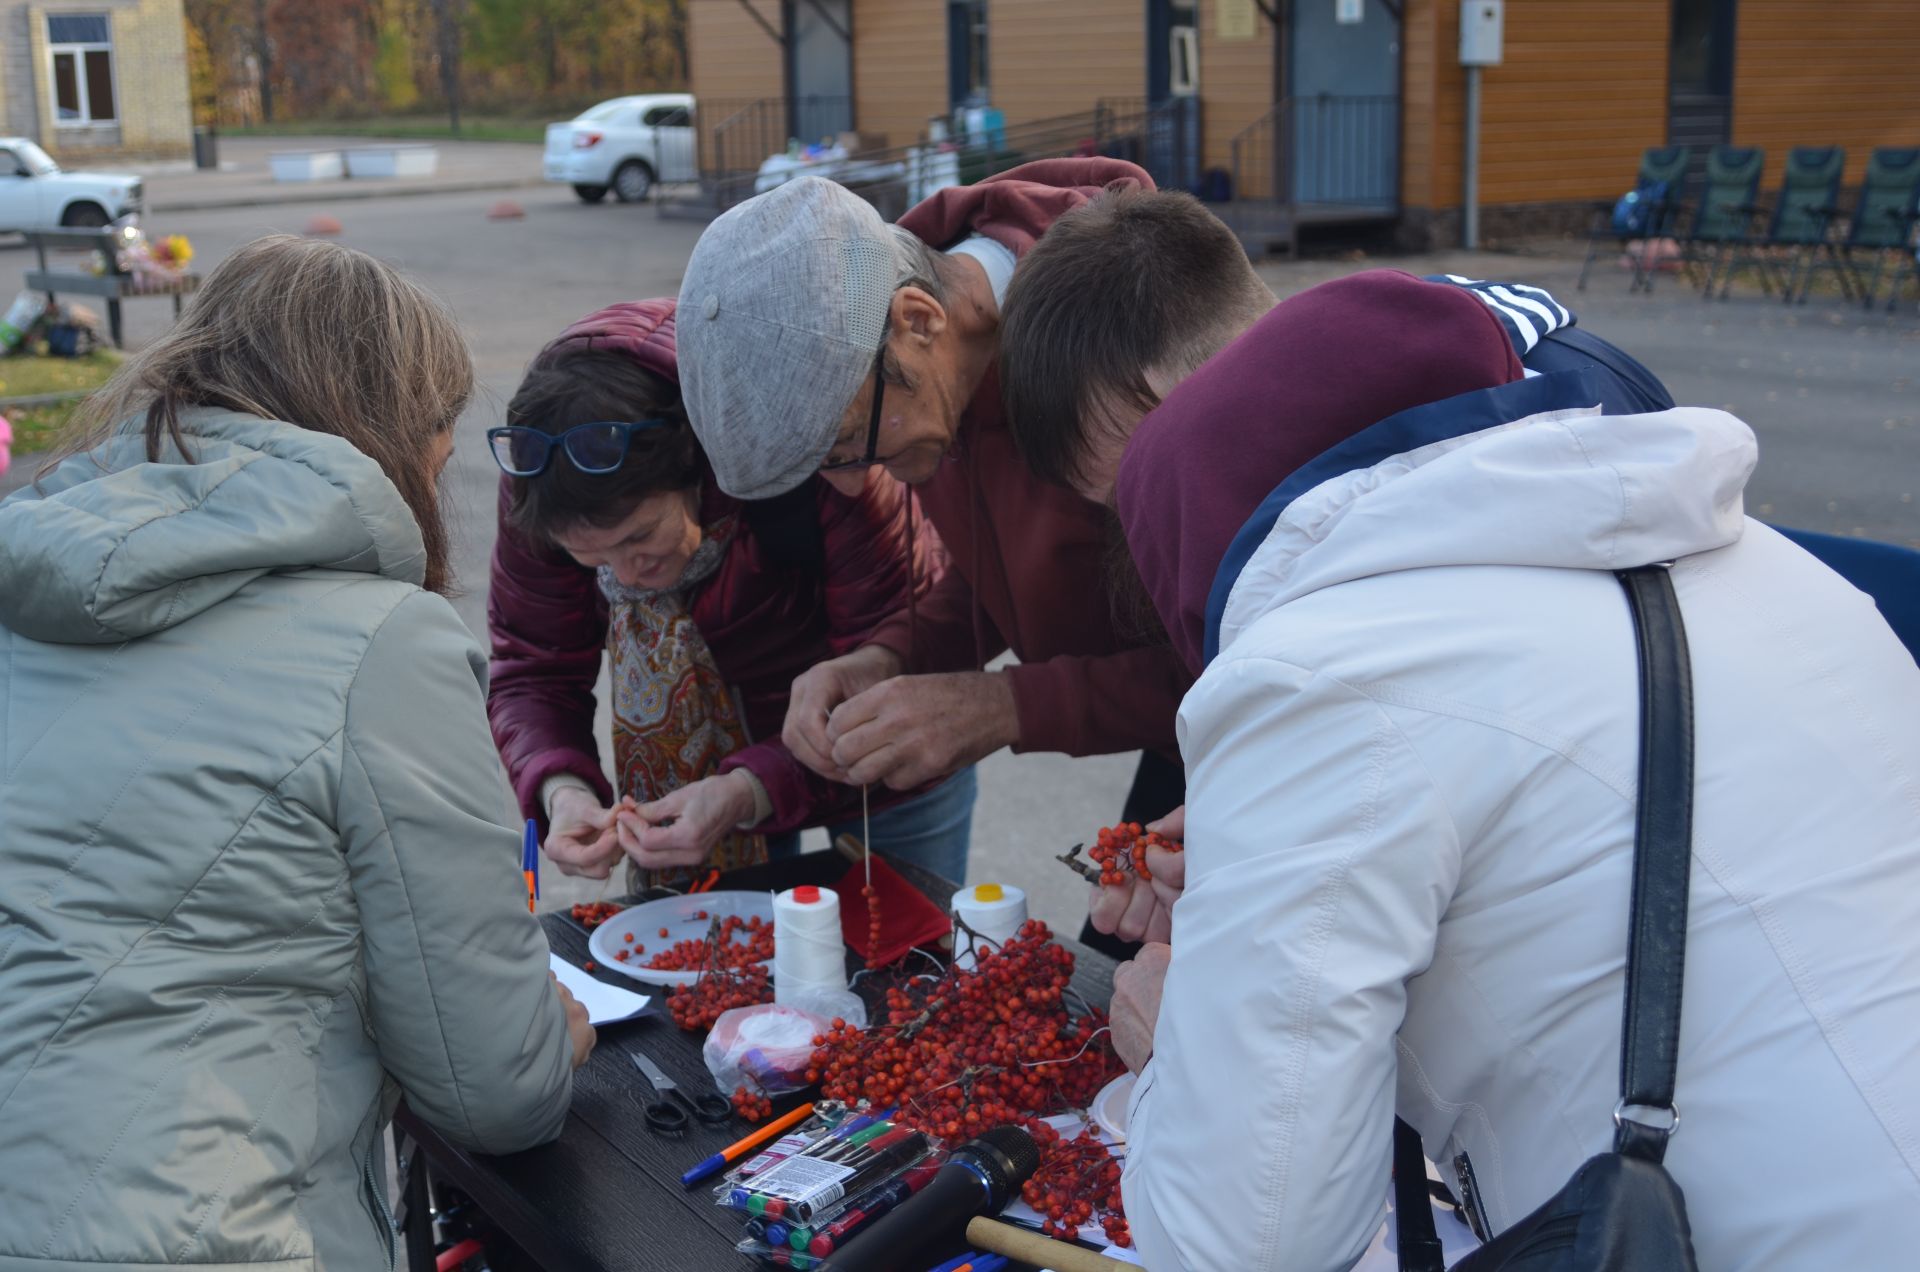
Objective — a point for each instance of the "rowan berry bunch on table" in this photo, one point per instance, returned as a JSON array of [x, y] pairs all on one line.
[[974, 1048], [754, 1106], [592, 914], [1122, 850], [695, 1007], [1077, 1183]]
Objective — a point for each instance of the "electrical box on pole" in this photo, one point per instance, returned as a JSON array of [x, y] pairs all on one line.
[[1480, 36], [1480, 30]]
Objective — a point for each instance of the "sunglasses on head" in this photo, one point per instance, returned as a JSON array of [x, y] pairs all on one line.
[[597, 448]]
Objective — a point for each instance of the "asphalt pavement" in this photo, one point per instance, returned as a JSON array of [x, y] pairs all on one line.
[[1830, 391]]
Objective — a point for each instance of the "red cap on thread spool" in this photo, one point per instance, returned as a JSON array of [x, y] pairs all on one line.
[[807, 894]]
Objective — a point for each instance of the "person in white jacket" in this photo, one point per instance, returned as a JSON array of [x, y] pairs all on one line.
[[1412, 762]]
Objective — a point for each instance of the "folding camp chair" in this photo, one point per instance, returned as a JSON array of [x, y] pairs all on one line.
[[1882, 223], [1809, 200], [1726, 209], [1646, 215]]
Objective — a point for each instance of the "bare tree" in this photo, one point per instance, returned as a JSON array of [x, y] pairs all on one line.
[[263, 57], [446, 16]]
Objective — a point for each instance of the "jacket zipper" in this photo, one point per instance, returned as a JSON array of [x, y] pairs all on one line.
[[385, 1212]]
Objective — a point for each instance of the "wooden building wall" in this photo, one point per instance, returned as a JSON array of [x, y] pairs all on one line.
[[1848, 76], [1582, 90], [1060, 57], [730, 59], [899, 67]]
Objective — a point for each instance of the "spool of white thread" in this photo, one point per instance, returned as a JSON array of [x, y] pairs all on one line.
[[809, 954], [994, 911]]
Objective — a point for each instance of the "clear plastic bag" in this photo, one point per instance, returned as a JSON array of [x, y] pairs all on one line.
[[764, 1048]]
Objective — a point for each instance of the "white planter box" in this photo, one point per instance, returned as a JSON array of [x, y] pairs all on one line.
[[307, 165], [392, 161]]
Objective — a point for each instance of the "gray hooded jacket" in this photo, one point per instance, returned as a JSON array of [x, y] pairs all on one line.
[[256, 875]]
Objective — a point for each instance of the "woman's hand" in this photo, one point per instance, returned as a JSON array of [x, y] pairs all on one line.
[[580, 837], [681, 828], [579, 1031], [1142, 910]]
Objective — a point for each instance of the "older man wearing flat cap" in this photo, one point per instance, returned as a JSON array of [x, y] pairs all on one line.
[[814, 337]]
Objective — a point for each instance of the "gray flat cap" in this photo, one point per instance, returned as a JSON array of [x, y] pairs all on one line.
[[781, 313]]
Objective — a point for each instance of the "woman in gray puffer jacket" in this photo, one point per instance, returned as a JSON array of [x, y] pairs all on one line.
[[256, 875]]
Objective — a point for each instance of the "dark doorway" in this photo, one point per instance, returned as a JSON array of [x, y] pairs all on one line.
[[1173, 93], [822, 52], [967, 81], [1700, 77]]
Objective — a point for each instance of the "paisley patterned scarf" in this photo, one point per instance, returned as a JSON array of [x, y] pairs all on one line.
[[674, 718]]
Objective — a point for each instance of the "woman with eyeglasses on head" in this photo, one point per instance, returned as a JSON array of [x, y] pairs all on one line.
[[615, 537], [258, 881]]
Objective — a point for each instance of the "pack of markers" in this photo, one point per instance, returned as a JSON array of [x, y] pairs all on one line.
[[824, 1182]]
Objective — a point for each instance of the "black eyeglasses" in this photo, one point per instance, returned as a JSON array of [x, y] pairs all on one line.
[[873, 419], [598, 448]]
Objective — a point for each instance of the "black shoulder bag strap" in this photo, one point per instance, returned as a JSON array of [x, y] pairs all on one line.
[[1657, 931], [1662, 870]]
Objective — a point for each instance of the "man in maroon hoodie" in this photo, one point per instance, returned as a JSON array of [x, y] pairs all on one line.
[[816, 338]]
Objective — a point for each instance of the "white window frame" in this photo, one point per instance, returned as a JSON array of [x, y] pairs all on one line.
[[79, 52], [1183, 75]]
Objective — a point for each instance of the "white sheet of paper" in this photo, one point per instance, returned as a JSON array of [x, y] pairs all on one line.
[[604, 1003]]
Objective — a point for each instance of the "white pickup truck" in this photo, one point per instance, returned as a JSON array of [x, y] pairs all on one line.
[[35, 194], [626, 145]]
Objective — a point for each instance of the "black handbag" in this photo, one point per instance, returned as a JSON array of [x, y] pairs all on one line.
[[1621, 1211]]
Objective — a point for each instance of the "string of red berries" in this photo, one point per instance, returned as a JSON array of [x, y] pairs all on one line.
[[718, 947], [591, 914], [1118, 851], [872, 898], [1077, 1183]]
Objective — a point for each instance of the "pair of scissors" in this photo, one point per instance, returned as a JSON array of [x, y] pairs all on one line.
[[668, 1118]]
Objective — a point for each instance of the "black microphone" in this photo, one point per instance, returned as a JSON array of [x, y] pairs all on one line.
[[979, 1178]]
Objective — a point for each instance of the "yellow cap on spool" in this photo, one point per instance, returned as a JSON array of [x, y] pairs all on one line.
[[988, 892]]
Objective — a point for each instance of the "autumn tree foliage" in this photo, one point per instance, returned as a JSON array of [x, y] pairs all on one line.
[[261, 60]]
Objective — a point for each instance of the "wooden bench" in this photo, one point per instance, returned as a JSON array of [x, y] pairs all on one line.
[[114, 286]]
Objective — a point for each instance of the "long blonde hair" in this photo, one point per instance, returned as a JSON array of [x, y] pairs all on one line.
[[313, 334]]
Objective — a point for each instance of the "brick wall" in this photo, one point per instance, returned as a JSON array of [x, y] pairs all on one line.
[[150, 79]]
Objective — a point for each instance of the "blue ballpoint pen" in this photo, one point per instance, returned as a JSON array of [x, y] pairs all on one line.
[[530, 862]]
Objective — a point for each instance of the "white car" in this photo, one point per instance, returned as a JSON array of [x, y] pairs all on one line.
[[36, 195], [625, 145]]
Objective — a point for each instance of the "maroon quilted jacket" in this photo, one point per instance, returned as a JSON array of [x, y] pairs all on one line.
[[765, 622]]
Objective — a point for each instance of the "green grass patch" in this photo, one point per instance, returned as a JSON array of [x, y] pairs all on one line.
[[413, 127], [35, 428]]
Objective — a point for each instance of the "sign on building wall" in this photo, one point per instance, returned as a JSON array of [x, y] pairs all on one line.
[[1234, 19]]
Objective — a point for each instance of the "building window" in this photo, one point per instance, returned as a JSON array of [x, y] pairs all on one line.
[[80, 59]]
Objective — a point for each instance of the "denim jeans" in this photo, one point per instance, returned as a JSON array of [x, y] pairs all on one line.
[[932, 830]]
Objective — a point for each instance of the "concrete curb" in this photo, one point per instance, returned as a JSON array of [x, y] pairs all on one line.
[[316, 194]]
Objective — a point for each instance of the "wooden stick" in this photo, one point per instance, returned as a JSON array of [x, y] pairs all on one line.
[[1041, 1252], [851, 848]]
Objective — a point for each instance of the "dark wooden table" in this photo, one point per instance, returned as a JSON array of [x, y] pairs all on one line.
[[606, 1196]]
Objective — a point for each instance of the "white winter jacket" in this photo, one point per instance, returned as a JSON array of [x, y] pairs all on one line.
[[1411, 779]]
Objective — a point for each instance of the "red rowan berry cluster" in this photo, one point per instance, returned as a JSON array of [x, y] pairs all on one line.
[[1119, 851], [695, 1007], [975, 1048], [754, 1106], [718, 948], [1077, 1183], [592, 914]]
